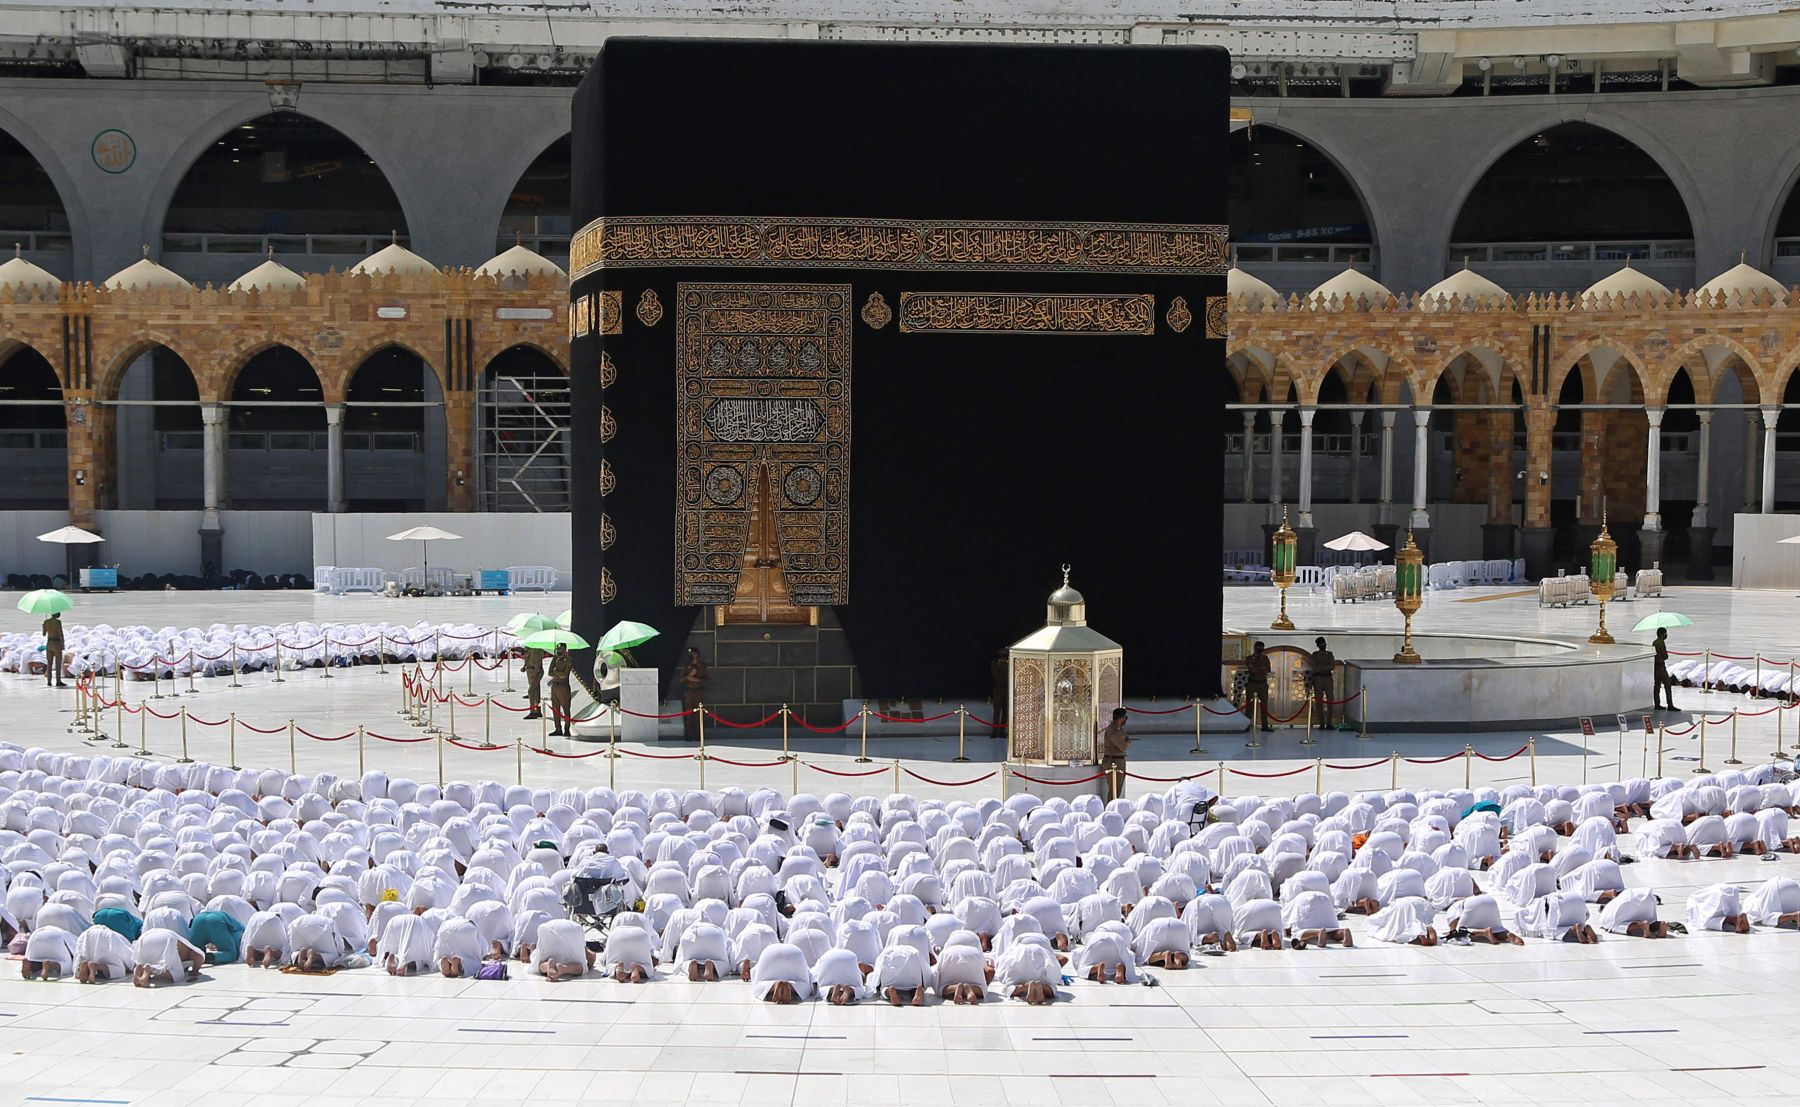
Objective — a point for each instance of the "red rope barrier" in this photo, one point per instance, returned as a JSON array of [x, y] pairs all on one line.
[[322, 738], [979, 721], [1153, 711], [1272, 776], [902, 719], [657, 756], [1516, 753], [260, 730], [1676, 733], [676, 715], [1055, 783], [514, 710], [399, 741], [1364, 765], [197, 719], [825, 729], [1218, 711], [764, 721], [566, 756], [477, 702], [1273, 718], [478, 749], [747, 764], [1169, 779], [834, 772], [155, 712], [950, 783]]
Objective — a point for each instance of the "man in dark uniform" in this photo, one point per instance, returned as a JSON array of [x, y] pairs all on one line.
[[1256, 686], [562, 696], [53, 650], [1114, 744], [999, 672], [693, 691], [1322, 665], [1662, 687], [534, 683]]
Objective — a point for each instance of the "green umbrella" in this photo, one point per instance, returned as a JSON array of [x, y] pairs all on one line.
[[566, 618], [626, 634], [45, 601], [526, 621], [1663, 619], [550, 639]]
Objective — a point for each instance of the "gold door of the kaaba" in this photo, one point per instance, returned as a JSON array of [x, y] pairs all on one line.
[[762, 518]]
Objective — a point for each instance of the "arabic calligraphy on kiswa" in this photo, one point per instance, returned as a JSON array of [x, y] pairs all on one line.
[[1028, 313]]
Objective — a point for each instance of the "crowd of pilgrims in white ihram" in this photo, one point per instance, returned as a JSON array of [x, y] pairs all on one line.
[[119, 867], [212, 651]]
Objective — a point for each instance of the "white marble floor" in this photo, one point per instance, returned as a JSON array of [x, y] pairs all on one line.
[[1698, 1019]]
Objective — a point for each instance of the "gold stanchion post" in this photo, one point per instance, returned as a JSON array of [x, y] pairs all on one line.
[[119, 742], [184, 758], [701, 756], [143, 749], [452, 714], [1394, 770], [896, 776], [1318, 776], [440, 751], [360, 768], [234, 666], [1364, 694], [1733, 759], [487, 722], [1706, 673], [278, 678], [381, 652], [864, 716], [325, 670], [190, 663], [231, 739], [962, 717], [1308, 740], [1531, 746], [1258, 712], [1701, 767], [793, 762], [1468, 766], [1662, 730], [519, 756]]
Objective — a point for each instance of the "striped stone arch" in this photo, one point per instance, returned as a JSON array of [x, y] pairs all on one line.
[[1705, 382]]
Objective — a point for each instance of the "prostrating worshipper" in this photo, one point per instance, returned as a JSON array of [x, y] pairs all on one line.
[[49, 953], [317, 944], [457, 949], [839, 978], [1707, 835], [1716, 907], [1406, 921], [1477, 918], [1598, 881], [217, 934], [102, 953], [1258, 923], [963, 974], [702, 952], [165, 957], [781, 974], [1165, 942], [1557, 916], [1028, 970], [1633, 913], [265, 940], [628, 955], [405, 945], [903, 975], [1311, 917], [1775, 903], [562, 951], [1209, 919]]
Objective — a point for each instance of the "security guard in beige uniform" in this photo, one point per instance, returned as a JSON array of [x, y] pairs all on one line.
[[534, 683], [562, 696], [53, 650]]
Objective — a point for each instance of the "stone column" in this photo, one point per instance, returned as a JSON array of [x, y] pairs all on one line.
[[1308, 533], [1249, 457], [1421, 517], [1770, 415], [1650, 535], [1277, 418], [1387, 467], [1356, 422], [84, 466], [212, 471], [1700, 532], [334, 458], [1537, 539], [1750, 465]]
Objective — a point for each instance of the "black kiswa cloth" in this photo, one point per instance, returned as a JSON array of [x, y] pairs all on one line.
[[979, 461]]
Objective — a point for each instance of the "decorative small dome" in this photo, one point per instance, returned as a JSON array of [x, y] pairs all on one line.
[[1462, 286], [1254, 290], [520, 260], [17, 271], [1350, 286], [393, 258], [270, 276], [1625, 282], [1742, 278], [146, 274], [1067, 607]]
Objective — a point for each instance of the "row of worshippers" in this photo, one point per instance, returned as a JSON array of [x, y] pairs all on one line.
[[322, 873], [169, 652]]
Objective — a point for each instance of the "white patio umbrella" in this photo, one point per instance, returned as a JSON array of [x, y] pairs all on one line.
[[423, 535], [1356, 541], [1794, 541]]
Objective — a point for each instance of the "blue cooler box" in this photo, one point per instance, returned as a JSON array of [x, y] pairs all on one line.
[[493, 580]]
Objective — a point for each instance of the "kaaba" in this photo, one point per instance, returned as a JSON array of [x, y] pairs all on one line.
[[871, 339]]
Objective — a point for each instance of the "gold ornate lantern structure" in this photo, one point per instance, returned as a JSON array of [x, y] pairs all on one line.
[[1065, 680], [1603, 564], [1284, 546], [1409, 592]]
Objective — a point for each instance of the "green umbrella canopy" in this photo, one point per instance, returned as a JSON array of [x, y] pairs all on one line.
[[566, 618], [1663, 619], [527, 621], [626, 634], [44, 601], [550, 639]]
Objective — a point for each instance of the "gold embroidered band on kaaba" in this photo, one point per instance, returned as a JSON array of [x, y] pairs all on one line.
[[1167, 249], [1027, 313]]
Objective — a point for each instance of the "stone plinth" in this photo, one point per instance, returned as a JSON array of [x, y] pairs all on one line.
[[1063, 776]]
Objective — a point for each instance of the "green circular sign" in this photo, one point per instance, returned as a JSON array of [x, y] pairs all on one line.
[[114, 151]]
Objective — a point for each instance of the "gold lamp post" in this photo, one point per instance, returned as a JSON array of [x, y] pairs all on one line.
[[1409, 593], [1284, 546], [1603, 563]]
